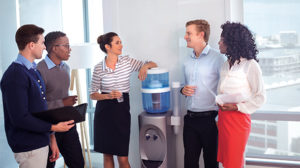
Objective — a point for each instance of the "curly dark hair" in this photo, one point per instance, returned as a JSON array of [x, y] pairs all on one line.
[[239, 41]]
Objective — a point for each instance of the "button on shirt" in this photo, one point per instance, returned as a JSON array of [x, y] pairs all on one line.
[[32, 67], [21, 97], [203, 72]]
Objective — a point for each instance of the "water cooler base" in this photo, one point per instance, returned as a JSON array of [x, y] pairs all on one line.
[[157, 141]]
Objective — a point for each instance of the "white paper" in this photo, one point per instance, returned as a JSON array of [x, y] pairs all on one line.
[[230, 98]]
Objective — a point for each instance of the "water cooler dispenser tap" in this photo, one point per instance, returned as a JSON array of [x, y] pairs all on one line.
[[148, 136]]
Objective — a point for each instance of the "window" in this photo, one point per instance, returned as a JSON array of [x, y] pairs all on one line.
[[72, 20], [276, 26]]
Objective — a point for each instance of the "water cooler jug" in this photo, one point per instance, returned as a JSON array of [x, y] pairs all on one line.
[[156, 136], [156, 91]]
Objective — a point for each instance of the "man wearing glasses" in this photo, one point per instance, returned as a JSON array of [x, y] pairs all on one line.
[[56, 75]]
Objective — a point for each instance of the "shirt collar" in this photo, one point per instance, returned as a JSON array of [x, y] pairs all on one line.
[[104, 67], [23, 61], [50, 63], [204, 52], [104, 64]]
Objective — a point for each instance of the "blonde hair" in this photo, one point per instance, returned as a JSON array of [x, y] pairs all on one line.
[[201, 26]]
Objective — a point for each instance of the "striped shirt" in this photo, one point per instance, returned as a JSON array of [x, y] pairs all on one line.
[[106, 79]]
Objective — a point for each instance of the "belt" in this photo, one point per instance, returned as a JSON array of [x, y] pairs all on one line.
[[211, 113]]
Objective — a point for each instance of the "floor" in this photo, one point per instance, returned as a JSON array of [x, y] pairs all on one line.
[[96, 161]]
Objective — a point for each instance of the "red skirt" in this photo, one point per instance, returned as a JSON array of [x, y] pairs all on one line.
[[234, 129]]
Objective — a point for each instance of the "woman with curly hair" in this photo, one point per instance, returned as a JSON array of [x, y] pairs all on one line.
[[240, 93]]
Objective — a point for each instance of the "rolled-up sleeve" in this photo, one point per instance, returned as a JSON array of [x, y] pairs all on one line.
[[135, 64]]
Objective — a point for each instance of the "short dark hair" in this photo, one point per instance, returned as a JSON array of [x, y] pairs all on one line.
[[239, 41], [51, 38], [106, 39], [26, 34], [201, 25]]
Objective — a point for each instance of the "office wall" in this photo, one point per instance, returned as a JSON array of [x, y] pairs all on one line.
[[7, 51], [31, 12], [154, 30], [8, 20]]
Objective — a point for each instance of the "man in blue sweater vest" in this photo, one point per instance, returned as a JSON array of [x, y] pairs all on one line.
[[23, 92]]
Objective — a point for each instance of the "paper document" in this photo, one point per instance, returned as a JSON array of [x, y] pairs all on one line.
[[230, 98]]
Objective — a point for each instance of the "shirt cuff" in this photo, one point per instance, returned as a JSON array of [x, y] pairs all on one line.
[[238, 107]]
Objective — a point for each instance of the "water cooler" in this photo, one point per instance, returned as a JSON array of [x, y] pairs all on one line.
[[158, 125]]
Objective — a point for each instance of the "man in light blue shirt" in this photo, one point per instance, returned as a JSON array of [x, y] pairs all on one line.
[[201, 77]]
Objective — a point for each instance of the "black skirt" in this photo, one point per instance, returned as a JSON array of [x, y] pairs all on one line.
[[112, 126]]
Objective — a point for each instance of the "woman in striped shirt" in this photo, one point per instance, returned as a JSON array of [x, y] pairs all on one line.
[[112, 116]]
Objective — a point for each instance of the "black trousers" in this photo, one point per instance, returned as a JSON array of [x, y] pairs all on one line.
[[200, 132], [70, 148]]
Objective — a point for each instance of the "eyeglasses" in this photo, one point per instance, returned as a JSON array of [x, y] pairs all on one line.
[[65, 45]]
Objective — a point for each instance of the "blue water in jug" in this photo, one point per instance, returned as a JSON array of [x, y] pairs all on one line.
[[156, 91]]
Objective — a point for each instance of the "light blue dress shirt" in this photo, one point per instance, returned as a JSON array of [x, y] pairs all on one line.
[[50, 63], [23, 61], [203, 72]]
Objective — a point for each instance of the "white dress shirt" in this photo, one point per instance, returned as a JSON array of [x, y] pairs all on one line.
[[244, 78]]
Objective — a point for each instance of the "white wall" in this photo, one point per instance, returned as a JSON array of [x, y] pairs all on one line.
[[7, 55], [154, 30], [31, 12], [7, 33]]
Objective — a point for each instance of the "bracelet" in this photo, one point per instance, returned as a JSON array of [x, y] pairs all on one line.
[[181, 90]]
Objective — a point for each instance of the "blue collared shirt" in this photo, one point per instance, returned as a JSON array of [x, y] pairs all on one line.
[[50, 63], [203, 72], [23, 61]]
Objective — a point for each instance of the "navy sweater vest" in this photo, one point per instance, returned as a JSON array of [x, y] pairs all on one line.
[[22, 92]]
